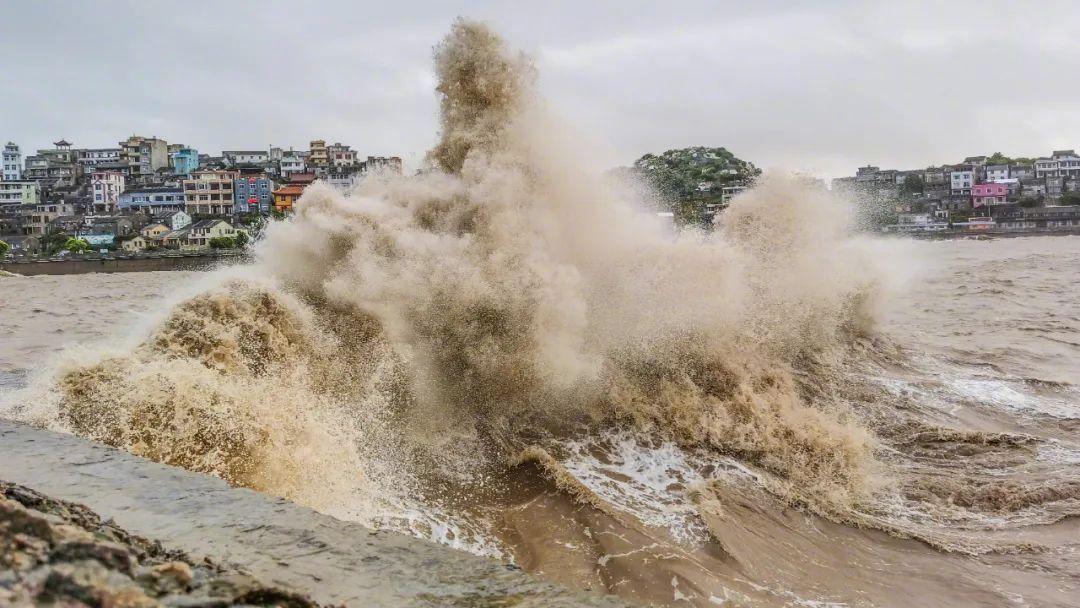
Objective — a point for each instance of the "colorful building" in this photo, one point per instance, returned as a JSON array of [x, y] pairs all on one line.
[[253, 194], [105, 187], [995, 193], [185, 161], [286, 196]]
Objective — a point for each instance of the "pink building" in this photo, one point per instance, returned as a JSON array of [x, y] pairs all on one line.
[[989, 194]]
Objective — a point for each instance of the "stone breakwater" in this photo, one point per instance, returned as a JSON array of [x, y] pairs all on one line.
[[55, 552], [262, 548]]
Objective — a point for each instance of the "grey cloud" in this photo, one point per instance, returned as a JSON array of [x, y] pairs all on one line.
[[822, 87]]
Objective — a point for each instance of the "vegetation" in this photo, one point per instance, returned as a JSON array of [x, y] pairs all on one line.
[[688, 180], [4, 249], [75, 245], [997, 158], [1070, 198], [237, 241]]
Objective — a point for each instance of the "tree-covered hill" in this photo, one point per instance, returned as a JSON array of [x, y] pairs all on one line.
[[690, 181]]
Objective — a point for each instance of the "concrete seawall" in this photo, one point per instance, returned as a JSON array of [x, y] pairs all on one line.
[[142, 263], [333, 561]]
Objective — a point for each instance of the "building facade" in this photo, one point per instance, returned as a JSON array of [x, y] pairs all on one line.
[[245, 157], [253, 194], [285, 197], [961, 180], [391, 164], [145, 155], [11, 167], [292, 163], [989, 194], [209, 193], [19, 193], [152, 200], [185, 161], [317, 153], [105, 189], [94, 158]]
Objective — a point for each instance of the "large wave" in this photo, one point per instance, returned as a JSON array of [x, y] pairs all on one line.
[[415, 344]]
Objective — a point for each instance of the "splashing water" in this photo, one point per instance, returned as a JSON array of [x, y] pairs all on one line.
[[442, 353]]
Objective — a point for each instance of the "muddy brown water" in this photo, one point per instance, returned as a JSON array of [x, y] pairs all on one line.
[[971, 387]]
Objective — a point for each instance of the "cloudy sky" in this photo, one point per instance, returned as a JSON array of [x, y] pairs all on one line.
[[821, 87]]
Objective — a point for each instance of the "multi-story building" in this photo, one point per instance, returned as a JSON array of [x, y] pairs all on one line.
[[153, 199], [253, 194], [44, 213], [996, 173], [185, 161], [245, 157], [175, 220], [56, 167], [340, 155], [11, 163], [318, 155], [1062, 163], [19, 193], [145, 155], [209, 193], [105, 189], [391, 164], [989, 194], [292, 163], [961, 179], [92, 159], [286, 196], [203, 231]]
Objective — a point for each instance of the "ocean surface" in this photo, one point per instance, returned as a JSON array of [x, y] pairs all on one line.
[[967, 388]]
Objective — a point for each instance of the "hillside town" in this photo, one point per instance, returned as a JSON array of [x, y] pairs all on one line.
[[146, 194], [983, 193]]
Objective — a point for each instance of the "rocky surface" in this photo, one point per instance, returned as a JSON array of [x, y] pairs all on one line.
[[59, 553], [281, 544]]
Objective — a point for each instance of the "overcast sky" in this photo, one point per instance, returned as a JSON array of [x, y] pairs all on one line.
[[821, 87]]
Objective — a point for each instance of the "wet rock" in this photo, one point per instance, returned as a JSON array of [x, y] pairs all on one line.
[[61, 554]]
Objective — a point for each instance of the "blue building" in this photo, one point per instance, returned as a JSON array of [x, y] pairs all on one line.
[[253, 194], [185, 161], [152, 199]]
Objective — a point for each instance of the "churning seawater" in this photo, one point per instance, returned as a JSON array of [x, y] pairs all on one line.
[[509, 354], [976, 402]]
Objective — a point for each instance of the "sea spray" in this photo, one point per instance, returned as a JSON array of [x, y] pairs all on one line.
[[411, 342]]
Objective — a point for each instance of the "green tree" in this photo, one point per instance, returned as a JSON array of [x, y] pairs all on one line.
[[4, 249], [75, 245], [223, 242], [1070, 198], [240, 240], [913, 184], [1029, 201]]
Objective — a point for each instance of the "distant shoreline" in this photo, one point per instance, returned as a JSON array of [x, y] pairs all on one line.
[[937, 235], [31, 266]]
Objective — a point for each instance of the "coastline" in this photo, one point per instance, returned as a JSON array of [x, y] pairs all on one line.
[[284, 544], [32, 266]]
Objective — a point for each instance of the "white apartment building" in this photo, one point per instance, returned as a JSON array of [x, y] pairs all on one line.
[[245, 157], [1062, 163], [105, 188], [92, 157], [292, 163], [11, 163], [961, 181], [997, 173]]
